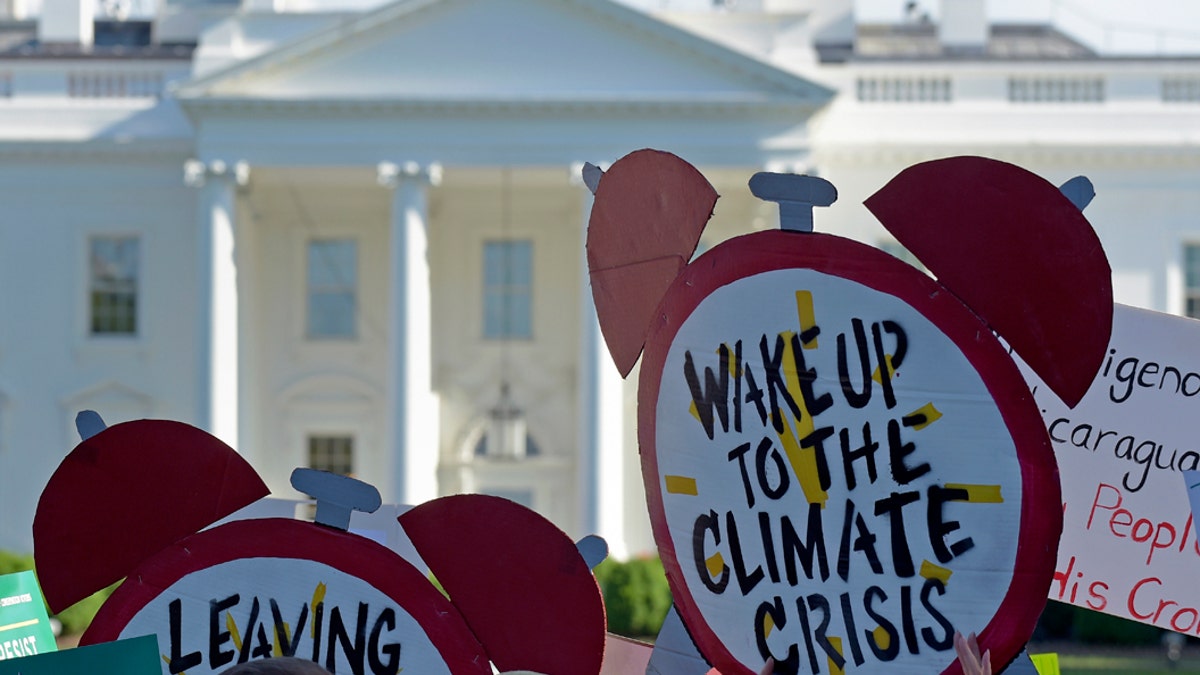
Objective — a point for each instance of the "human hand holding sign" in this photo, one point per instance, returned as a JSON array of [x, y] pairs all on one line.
[[968, 655]]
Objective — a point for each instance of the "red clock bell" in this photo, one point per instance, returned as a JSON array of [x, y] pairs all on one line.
[[843, 465]]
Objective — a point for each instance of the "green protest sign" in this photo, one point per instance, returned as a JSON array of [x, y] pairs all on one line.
[[24, 627], [135, 656]]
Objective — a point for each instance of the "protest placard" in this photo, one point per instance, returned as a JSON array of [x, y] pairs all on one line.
[[1129, 546], [843, 472], [24, 626], [843, 467], [135, 656]]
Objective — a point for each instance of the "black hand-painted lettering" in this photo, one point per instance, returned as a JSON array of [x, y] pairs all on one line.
[[713, 395], [774, 609], [893, 637], [893, 506], [946, 641], [737, 386], [708, 522], [287, 646], [897, 451], [856, 399], [776, 385], [901, 349], [318, 621], [264, 648], [217, 636], [391, 650], [767, 448], [843, 564], [754, 394], [354, 649], [865, 451], [819, 603], [746, 582], [939, 527], [907, 623], [739, 453], [806, 629], [851, 630], [816, 441], [248, 643], [885, 372], [814, 404], [865, 543], [805, 551], [180, 662], [764, 529]]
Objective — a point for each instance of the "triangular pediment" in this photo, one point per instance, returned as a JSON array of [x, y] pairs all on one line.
[[527, 51]]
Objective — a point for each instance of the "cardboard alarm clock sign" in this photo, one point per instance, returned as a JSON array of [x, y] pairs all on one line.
[[265, 587], [843, 465]]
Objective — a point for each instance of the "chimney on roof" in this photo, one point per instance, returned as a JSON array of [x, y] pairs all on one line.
[[67, 22], [964, 26]]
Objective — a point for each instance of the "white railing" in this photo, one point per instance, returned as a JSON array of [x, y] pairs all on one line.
[[1056, 89], [904, 90], [1181, 90], [114, 84]]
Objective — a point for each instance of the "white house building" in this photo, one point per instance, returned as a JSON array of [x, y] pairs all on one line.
[[351, 236]]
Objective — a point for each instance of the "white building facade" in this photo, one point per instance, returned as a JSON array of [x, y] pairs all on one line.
[[353, 238]]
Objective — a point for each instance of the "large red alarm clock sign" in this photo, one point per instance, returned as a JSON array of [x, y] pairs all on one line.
[[843, 466], [833, 479]]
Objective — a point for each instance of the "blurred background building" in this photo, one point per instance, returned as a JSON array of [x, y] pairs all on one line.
[[349, 235]]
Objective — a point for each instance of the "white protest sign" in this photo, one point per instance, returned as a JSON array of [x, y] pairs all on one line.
[[1128, 546], [843, 468]]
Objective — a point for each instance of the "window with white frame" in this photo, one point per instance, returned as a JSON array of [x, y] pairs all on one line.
[[331, 452], [1191, 274], [113, 263], [332, 289], [508, 289]]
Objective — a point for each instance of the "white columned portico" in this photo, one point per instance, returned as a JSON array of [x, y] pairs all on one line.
[[413, 419], [601, 413], [216, 246]]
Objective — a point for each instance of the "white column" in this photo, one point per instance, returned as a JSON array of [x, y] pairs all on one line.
[[602, 452], [413, 420], [218, 338]]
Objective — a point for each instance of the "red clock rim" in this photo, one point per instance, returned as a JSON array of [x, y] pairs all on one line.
[[283, 538], [747, 255]]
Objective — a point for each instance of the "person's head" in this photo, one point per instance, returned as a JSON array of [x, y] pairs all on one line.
[[284, 665]]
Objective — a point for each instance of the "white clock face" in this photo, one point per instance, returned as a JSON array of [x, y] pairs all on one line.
[[835, 478], [252, 608]]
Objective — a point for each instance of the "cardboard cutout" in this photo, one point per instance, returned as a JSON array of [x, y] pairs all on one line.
[[259, 587], [843, 466], [519, 581], [659, 204], [989, 245], [158, 481], [246, 589]]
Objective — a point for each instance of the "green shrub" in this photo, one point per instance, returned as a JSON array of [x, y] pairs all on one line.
[[1096, 628], [636, 596], [14, 562], [76, 618]]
